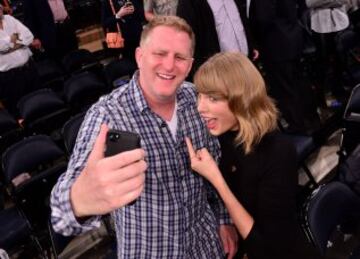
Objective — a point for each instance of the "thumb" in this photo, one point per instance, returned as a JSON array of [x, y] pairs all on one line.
[[97, 152]]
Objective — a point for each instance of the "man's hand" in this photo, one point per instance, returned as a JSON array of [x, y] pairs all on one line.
[[36, 44], [14, 37], [256, 55], [125, 10], [108, 183], [229, 239]]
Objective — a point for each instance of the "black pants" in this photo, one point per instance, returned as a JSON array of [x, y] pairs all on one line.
[[293, 95], [66, 40], [16, 83]]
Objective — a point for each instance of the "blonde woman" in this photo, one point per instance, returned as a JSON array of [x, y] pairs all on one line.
[[258, 179]]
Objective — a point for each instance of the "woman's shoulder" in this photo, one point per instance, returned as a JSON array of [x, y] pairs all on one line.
[[276, 144]]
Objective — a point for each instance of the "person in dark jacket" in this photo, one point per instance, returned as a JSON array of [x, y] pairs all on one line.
[[258, 177], [130, 17], [50, 23], [279, 37], [218, 26]]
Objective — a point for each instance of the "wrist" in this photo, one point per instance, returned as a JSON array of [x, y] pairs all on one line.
[[118, 16]]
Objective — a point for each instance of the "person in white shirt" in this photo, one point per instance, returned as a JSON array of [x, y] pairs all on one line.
[[18, 74]]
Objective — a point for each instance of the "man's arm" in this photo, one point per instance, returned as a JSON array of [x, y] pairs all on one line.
[[94, 185], [148, 10]]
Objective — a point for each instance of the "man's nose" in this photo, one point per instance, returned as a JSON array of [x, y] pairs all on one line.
[[169, 62]]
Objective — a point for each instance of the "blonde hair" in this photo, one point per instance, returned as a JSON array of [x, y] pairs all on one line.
[[232, 76], [174, 22]]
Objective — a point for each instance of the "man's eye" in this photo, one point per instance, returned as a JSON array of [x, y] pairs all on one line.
[[159, 54], [180, 58]]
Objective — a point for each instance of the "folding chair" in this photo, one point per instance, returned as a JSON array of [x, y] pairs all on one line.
[[10, 130], [118, 72], [82, 90], [51, 75], [31, 167], [70, 131], [328, 207], [351, 124], [81, 60], [43, 112], [15, 232]]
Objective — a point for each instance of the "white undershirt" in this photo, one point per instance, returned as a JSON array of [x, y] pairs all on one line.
[[172, 124], [229, 27]]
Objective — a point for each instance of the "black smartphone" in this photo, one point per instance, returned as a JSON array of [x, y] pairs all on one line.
[[119, 141]]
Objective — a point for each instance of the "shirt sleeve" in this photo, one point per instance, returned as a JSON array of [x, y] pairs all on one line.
[[62, 215], [148, 6], [276, 228]]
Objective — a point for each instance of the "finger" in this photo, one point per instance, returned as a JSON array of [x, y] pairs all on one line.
[[97, 152], [128, 172], [125, 158], [190, 147]]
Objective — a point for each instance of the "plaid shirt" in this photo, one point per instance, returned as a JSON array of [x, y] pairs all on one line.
[[178, 213]]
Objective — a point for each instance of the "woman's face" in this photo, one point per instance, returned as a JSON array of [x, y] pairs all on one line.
[[216, 113]]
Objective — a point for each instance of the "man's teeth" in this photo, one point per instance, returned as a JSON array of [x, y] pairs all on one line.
[[166, 77]]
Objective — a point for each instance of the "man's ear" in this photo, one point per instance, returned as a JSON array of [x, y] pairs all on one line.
[[190, 66], [138, 56]]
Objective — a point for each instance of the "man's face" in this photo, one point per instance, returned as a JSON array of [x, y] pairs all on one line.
[[164, 61]]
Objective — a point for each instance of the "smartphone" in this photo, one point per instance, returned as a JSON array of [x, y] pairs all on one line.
[[119, 141]]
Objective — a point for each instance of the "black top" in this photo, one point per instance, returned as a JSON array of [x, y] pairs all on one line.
[[130, 25], [265, 182], [276, 29]]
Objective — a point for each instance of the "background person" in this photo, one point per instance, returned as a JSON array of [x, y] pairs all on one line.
[[130, 18], [18, 75], [159, 7], [258, 178], [50, 23]]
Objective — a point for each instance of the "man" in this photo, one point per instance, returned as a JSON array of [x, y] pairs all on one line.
[[173, 216], [218, 26], [50, 23], [18, 74], [277, 31], [159, 7]]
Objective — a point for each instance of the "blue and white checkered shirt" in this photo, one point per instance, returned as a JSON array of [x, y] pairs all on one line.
[[178, 214]]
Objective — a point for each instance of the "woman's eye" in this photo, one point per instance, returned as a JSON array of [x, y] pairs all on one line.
[[213, 98]]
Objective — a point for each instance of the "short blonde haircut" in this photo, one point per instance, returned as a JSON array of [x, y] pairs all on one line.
[[232, 76], [174, 22]]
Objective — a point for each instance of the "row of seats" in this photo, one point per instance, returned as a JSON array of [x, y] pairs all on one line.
[[30, 168]]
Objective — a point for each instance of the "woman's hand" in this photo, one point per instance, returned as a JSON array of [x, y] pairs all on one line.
[[203, 163]]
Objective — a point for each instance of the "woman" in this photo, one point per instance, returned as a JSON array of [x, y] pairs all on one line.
[[258, 182], [130, 17]]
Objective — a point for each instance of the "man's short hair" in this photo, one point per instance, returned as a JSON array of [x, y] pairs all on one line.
[[174, 22]]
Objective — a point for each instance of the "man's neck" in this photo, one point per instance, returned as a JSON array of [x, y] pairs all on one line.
[[164, 109]]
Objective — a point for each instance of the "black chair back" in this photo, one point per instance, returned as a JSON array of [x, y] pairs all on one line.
[[329, 206], [70, 131]]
